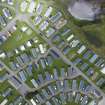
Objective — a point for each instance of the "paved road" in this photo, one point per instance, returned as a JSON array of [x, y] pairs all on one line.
[[32, 61], [65, 59], [46, 83], [102, 102], [11, 73], [23, 88], [65, 93], [25, 17]]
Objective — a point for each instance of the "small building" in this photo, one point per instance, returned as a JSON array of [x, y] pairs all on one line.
[[23, 6], [39, 8], [54, 54], [55, 74], [37, 20], [87, 54], [35, 84], [2, 55], [48, 76], [22, 48], [93, 58], [48, 12], [50, 32], [82, 48], [74, 84], [10, 2], [66, 50], [32, 6], [7, 13], [56, 17], [74, 43], [4, 102], [103, 70], [2, 21], [41, 48], [22, 76], [42, 62], [70, 38]]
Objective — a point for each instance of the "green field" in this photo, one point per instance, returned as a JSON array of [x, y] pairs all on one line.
[[94, 34], [91, 34], [72, 103]]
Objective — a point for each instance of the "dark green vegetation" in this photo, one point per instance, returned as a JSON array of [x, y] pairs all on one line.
[[94, 35], [30, 95], [93, 38]]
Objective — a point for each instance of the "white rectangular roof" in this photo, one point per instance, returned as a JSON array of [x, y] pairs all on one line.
[[70, 37], [103, 70], [48, 12], [41, 47], [33, 102], [82, 48], [31, 6], [34, 83]]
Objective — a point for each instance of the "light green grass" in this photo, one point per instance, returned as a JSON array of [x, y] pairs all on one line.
[[22, 37]]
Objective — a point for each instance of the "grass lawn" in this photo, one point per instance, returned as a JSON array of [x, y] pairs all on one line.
[[72, 103], [18, 37], [95, 36], [3, 72], [5, 85]]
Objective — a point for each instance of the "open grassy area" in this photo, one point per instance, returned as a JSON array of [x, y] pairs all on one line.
[[58, 63], [3, 87], [72, 103], [17, 38], [94, 34]]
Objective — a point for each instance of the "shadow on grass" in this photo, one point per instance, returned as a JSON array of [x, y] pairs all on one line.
[[93, 38]]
